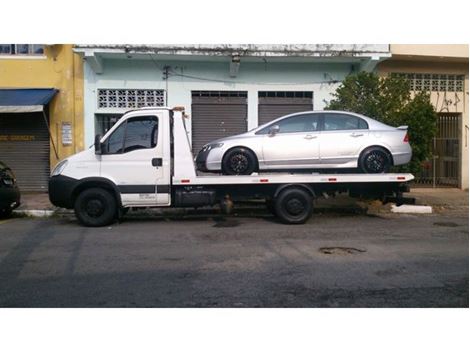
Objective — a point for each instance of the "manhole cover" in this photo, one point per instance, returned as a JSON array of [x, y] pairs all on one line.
[[341, 250], [446, 224], [227, 223]]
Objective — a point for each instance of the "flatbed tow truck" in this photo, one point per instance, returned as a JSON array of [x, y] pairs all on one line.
[[145, 160]]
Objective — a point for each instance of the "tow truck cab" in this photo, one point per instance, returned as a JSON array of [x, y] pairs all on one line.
[[145, 160]]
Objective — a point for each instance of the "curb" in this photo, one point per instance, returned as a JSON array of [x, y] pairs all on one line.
[[40, 213], [411, 209]]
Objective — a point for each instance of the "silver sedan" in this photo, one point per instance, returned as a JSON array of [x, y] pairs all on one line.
[[310, 140]]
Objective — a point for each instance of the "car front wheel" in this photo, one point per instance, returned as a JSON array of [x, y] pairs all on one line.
[[239, 161], [375, 161]]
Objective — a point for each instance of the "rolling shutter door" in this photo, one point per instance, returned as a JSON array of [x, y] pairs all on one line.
[[272, 105], [24, 147], [216, 115]]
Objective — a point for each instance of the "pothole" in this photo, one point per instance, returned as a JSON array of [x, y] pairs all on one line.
[[446, 224], [341, 250]]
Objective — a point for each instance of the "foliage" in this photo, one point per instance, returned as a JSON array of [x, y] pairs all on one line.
[[388, 99]]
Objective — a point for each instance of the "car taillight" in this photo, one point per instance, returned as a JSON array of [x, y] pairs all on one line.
[[406, 139]]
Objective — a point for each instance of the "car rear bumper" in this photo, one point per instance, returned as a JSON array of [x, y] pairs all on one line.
[[401, 158], [9, 198]]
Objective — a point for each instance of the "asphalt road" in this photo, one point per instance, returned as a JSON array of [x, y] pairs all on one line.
[[332, 261]]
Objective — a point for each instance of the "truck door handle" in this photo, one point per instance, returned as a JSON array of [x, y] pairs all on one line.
[[157, 162], [356, 134], [309, 136]]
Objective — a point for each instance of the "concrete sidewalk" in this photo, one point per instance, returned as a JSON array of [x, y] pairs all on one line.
[[441, 199]]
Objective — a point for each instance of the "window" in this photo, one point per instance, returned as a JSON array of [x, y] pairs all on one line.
[[335, 122], [297, 123], [21, 49], [432, 82], [135, 133]]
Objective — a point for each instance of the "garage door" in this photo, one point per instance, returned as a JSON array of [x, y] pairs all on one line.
[[24, 147], [217, 114], [272, 105]]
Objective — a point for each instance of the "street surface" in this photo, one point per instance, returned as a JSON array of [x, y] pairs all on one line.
[[335, 260]]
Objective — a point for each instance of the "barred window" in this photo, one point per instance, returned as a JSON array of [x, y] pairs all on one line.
[[130, 98], [433, 82]]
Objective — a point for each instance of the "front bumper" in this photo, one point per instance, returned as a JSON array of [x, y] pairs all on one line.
[[9, 197], [61, 191], [210, 161]]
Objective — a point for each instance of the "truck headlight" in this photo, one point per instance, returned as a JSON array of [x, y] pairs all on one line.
[[59, 168]]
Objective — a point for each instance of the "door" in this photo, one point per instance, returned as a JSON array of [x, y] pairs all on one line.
[[24, 147], [217, 114], [443, 168], [296, 145], [273, 104], [132, 156], [342, 138]]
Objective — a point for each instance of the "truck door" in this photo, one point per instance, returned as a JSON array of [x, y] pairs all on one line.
[[132, 156]]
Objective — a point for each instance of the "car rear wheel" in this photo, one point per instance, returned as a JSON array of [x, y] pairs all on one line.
[[375, 161], [96, 207], [239, 161], [294, 206]]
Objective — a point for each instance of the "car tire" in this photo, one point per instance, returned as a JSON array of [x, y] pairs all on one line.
[[375, 161], [5, 213], [96, 207], [294, 206], [239, 161]]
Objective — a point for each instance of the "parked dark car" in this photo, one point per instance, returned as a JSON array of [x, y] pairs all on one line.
[[9, 191]]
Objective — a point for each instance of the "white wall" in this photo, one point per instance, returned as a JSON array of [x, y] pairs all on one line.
[[252, 77]]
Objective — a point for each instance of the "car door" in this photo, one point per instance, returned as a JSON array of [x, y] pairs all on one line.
[[342, 138], [295, 145], [132, 157]]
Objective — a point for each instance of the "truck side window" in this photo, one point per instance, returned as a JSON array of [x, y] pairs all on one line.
[[136, 133]]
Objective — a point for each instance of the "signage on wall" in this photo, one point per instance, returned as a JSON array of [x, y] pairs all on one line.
[[66, 133], [16, 138]]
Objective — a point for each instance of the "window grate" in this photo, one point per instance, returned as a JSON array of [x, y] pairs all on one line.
[[433, 82], [287, 94], [130, 98], [217, 93]]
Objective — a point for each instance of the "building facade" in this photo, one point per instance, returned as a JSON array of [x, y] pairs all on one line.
[[41, 109], [226, 89], [441, 70]]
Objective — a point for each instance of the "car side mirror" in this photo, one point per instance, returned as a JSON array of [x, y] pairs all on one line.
[[274, 129], [98, 144]]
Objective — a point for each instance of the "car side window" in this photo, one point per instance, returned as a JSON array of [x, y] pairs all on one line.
[[297, 123], [338, 122], [136, 133]]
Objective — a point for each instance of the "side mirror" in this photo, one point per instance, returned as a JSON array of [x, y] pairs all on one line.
[[98, 144], [274, 129]]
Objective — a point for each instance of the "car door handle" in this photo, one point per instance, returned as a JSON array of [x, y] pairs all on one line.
[[309, 136], [356, 134]]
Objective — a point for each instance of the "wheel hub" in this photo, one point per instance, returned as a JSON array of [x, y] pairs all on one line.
[[375, 162], [94, 208], [239, 163], [294, 206]]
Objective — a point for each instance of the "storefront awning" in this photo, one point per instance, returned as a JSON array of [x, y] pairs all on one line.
[[25, 100]]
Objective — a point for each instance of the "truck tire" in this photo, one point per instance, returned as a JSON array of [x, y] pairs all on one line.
[[95, 207], [294, 206]]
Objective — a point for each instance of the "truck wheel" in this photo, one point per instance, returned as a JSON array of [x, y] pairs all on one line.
[[5, 213], [239, 161], [95, 207], [294, 206]]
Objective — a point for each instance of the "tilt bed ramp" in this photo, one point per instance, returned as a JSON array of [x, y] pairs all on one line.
[[109, 178]]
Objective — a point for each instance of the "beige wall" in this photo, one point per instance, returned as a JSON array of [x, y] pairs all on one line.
[[443, 51], [456, 101]]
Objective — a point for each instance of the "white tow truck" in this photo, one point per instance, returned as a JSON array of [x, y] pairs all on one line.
[[145, 160]]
